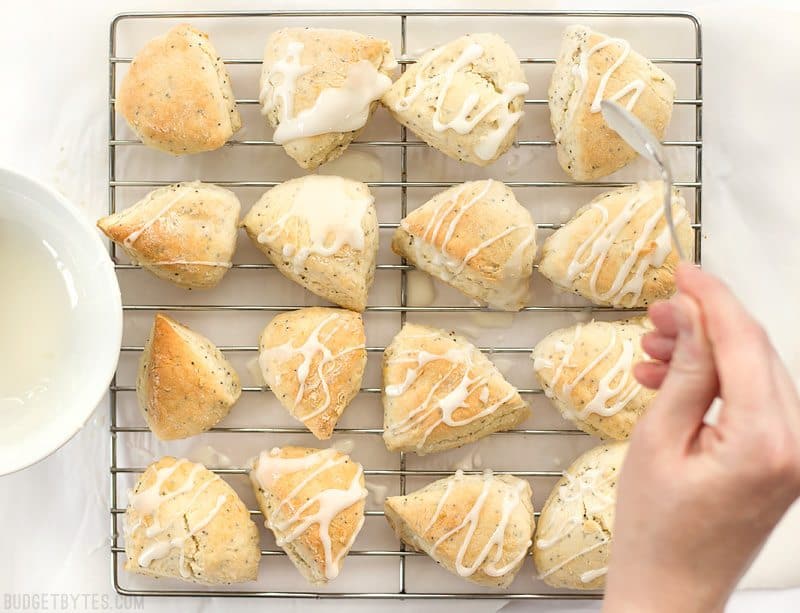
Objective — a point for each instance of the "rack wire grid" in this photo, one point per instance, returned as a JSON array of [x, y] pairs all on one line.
[[401, 153]]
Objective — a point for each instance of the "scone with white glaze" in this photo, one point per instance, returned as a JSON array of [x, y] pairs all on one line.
[[441, 392], [313, 502], [319, 87], [320, 231], [478, 527], [313, 359], [464, 98], [177, 94], [617, 250], [593, 67], [576, 525], [183, 233], [587, 372], [185, 522], [475, 237], [185, 385]]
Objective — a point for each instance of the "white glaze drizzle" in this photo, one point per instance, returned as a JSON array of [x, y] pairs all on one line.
[[180, 193], [492, 551], [333, 216], [635, 87], [336, 109], [330, 502], [314, 345], [594, 250], [469, 115]]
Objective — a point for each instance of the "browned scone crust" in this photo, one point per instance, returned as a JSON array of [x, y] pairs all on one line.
[[420, 519], [285, 493], [183, 233], [571, 363], [329, 54], [416, 383], [214, 541], [177, 94], [587, 148], [332, 371], [185, 385]]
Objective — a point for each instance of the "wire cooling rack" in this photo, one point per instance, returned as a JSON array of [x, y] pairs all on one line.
[[404, 154]]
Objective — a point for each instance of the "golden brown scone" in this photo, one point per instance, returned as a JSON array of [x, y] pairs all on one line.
[[617, 250], [184, 522], [593, 67], [185, 385], [183, 233], [464, 98], [313, 501], [177, 94], [476, 526], [587, 373], [441, 392], [319, 87], [475, 237], [313, 360], [576, 524], [320, 231]]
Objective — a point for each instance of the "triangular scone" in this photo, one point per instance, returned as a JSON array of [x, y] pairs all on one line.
[[587, 372], [592, 67], [313, 501], [573, 539], [320, 231], [183, 233], [185, 522], [185, 385], [177, 94], [464, 98], [441, 392], [319, 87], [475, 237], [476, 526], [313, 360], [617, 250]]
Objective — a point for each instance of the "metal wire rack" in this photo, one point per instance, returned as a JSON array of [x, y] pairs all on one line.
[[404, 21]]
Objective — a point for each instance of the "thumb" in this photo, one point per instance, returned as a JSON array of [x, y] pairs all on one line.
[[691, 383]]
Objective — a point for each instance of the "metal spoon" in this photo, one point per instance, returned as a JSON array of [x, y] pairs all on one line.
[[633, 132]]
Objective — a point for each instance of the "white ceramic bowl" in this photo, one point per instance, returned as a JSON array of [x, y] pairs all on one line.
[[94, 323]]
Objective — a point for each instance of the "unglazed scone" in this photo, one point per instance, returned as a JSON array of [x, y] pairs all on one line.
[[185, 522], [441, 392], [313, 360], [617, 250], [319, 87], [177, 94], [320, 231], [183, 233], [573, 539], [475, 237], [464, 98], [185, 385], [593, 67], [313, 501], [587, 373], [476, 526]]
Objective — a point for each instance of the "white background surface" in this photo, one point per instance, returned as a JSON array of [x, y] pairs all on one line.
[[54, 516]]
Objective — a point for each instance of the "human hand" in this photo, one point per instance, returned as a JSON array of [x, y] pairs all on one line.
[[697, 501]]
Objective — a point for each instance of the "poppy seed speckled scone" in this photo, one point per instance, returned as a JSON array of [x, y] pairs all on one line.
[[183, 233], [478, 527], [587, 373], [464, 98], [576, 525], [177, 94], [319, 87], [185, 522], [593, 67]]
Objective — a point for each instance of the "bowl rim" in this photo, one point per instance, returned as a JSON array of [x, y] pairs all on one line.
[[38, 190]]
